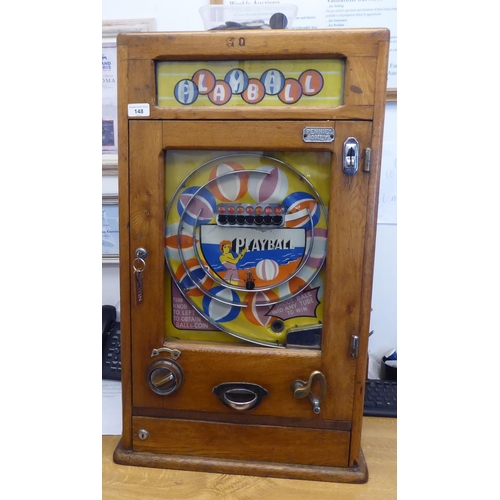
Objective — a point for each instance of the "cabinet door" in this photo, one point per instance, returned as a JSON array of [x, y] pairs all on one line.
[[254, 269]]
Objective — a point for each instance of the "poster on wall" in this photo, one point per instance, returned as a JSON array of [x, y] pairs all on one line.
[[110, 30], [321, 14], [109, 99], [110, 229]]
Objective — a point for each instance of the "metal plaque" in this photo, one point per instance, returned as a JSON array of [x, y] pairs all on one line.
[[318, 134]]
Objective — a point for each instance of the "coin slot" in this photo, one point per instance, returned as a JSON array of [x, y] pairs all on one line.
[[163, 380], [164, 377]]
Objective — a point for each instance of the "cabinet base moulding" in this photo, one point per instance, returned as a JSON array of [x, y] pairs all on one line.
[[357, 474]]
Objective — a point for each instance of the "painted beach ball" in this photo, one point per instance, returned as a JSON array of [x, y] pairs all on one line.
[[228, 186], [269, 187], [202, 206], [206, 284], [267, 269], [297, 283], [297, 206], [318, 252], [173, 241], [183, 277], [256, 310], [221, 311]]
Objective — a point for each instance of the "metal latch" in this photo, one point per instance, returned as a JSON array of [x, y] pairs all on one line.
[[354, 346], [368, 160]]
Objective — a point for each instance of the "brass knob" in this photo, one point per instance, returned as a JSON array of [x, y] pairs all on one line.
[[301, 389]]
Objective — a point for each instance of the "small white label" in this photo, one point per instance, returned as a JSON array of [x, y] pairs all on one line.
[[141, 109]]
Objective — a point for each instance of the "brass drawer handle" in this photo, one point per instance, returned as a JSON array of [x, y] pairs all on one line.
[[175, 353]]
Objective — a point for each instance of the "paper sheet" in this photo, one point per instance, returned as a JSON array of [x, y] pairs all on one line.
[[111, 408], [387, 205], [320, 14]]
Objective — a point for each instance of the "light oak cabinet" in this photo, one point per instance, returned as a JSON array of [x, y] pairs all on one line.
[[249, 167]]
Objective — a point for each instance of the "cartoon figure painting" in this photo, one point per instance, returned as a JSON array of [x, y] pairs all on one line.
[[229, 260]]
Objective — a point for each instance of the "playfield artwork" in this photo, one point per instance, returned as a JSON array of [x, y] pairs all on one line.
[[245, 245]]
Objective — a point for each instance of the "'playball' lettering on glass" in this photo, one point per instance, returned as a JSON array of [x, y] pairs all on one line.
[[237, 80], [221, 93], [254, 92], [292, 91], [204, 80], [186, 92], [273, 81], [311, 82]]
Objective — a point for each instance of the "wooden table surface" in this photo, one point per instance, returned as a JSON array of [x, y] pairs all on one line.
[[378, 442]]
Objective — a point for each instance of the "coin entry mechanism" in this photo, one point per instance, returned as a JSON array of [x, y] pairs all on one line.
[[351, 156]]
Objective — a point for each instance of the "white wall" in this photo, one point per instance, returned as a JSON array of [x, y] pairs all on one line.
[[170, 16], [384, 316]]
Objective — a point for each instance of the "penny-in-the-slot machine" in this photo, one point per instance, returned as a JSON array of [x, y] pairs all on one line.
[[249, 166]]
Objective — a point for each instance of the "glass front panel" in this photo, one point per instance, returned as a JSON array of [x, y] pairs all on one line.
[[317, 83], [245, 246]]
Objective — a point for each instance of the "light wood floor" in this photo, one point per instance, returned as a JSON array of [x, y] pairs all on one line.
[[379, 444]]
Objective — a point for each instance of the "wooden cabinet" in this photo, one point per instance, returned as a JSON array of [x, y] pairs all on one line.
[[249, 166]]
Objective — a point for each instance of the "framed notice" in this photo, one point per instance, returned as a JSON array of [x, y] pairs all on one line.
[[109, 97], [321, 14], [110, 229], [110, 30]]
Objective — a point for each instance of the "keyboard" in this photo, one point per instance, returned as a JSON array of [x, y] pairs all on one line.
[[381, 398]]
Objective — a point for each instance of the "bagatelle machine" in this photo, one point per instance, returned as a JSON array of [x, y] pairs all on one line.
[[249, 165]]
